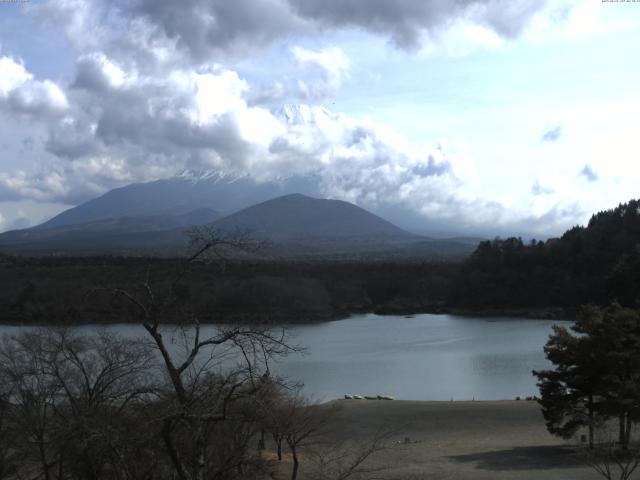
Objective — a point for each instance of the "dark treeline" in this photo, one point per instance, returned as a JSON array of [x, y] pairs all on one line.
[[593, 264], [67, 289]]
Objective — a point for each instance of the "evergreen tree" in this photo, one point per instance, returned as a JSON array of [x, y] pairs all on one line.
[[596, 374]]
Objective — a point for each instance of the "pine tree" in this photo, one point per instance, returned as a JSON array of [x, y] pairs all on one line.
[[596, 374]]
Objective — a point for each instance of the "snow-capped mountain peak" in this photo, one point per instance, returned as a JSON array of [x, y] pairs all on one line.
[[201, 175], [297, 114]]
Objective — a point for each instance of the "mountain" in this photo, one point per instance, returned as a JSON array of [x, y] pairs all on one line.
[[288, 220], [178, 195], [294, 225], [301, 217], [151, 230]]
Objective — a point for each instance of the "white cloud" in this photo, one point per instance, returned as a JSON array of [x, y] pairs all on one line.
[[333, 66], [12, 75], [22, 94], [42, 187], [153, 93]]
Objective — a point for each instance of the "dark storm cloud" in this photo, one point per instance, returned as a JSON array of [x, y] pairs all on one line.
[[589, 173], [90, 74], [405, 21], [71, 140], [205, 27], [552, 135]]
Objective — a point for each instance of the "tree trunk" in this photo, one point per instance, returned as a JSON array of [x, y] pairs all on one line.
[[279, 445], [173, 453], [296, 464], [590, 422], [200, 446], [621, 432], [43, 459], [627, 437]]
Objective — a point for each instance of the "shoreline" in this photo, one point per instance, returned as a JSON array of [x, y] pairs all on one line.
[[549, 313], [420, 402]]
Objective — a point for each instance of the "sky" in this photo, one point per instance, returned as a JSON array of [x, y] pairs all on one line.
[[505, 116]]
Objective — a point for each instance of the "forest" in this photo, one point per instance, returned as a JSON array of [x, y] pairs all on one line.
[[596, 263]]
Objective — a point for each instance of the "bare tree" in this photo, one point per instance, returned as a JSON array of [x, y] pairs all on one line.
[[68, 399], [350, 459], [8, 458], [300, 424], [609, 458], [307, 428], [31, 407], [181, 403], [204, 388]]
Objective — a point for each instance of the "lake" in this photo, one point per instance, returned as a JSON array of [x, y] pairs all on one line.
[[420, 357]]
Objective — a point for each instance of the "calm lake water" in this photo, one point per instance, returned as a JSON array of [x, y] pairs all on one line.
[[423, 357]]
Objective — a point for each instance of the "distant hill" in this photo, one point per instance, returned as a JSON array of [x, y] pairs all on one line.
[[295, 226], [152, 230], [301, 217], [179, 195]]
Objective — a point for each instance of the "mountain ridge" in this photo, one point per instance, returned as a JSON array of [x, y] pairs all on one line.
[[294, 226], [300, 216]]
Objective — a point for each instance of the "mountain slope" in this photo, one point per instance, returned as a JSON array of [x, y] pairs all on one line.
[[295, 225], [120, 231], [189, 191], [300, 217]]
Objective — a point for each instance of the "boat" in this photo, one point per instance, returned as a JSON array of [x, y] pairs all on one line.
[[358, 397], [371, 397], [348, 397], [386, 397]]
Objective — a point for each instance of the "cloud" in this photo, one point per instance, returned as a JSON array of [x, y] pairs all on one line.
[[266, 94], [554, 219], [96, 72], [538, 189], [153, 30], [367, 164], [153, 94], [589, 173], [73, 137], [23, 95], [17, 224], [41, 187], [214, 28], [407, 22], [552, 135], [332, 66]]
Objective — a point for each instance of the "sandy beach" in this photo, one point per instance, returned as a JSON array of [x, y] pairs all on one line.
[[479, 440]]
